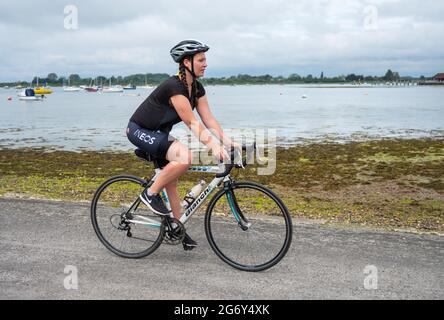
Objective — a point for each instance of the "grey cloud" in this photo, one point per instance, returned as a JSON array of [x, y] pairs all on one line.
[[278, 37]]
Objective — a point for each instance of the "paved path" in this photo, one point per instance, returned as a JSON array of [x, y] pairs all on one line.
[[39, 240]]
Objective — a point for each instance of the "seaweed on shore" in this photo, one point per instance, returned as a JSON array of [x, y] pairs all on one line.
[[397, 183]]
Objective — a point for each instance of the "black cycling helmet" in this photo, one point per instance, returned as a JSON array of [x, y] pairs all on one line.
[[187, 48]]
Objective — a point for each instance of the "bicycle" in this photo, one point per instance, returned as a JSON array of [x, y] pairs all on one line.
[[246, 224]]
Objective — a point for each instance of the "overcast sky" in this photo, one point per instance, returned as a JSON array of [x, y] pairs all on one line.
[[245, 36]]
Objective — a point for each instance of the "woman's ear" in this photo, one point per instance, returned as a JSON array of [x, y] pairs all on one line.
[[187, 63]]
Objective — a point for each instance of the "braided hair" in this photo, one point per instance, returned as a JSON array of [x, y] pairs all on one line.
[[183, 78]]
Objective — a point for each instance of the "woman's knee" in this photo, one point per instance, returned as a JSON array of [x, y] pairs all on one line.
[[179, 154]]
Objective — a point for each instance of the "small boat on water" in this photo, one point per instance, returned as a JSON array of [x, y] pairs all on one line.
[[146, 86], [129, 87], [91, 87], [42, 90], [29, 95], [71, 89], [112, 89]]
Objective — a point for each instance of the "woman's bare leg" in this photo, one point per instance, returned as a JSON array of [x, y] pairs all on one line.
[[180, 160], [173, 196]]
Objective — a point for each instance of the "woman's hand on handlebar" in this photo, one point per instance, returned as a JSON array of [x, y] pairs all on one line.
[[236, 146], [219, 152]]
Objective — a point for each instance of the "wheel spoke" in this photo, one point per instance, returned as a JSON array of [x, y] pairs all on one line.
[[111, 204], [264, 242]]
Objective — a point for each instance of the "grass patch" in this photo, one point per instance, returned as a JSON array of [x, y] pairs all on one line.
[[392, 183]]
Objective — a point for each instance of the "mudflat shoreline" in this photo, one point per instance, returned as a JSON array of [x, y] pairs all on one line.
[[391, 183]]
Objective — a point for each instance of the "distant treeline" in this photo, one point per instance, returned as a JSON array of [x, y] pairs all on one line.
[[155, 78], [75, 80], [390, 76]]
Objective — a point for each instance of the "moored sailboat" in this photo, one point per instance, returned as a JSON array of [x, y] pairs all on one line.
[[41, 90], [112, 89], [129, 87], [70, 88], [29, 95], [91, 87]]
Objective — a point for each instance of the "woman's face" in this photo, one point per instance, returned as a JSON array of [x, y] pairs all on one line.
[[200, 64]]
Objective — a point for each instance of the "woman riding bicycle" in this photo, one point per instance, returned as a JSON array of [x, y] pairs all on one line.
[[171, 102]]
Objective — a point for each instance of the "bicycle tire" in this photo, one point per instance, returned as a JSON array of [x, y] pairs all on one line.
[[211, 223], [157, 239]]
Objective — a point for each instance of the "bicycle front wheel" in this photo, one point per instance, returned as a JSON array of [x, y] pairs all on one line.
[[248, 226], [122, 222]]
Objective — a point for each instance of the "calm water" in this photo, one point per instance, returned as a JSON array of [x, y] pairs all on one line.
[[82, 120]]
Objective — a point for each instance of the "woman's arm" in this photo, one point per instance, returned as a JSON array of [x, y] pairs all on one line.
[[211, 123], [183, 108]]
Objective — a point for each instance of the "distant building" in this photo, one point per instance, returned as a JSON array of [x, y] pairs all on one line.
[[439, 77]]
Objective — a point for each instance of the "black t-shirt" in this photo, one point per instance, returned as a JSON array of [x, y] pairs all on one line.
[[156, 112]]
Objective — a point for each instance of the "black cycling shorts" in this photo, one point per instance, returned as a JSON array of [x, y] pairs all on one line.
[[156, 143]]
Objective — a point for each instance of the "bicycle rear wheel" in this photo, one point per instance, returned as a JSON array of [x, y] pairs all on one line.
[[115, 209], [248, 226]]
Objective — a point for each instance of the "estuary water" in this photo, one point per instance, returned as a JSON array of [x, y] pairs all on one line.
[[294, 113]]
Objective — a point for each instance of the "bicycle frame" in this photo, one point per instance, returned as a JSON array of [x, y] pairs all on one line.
[[169, 230], [194, 205]]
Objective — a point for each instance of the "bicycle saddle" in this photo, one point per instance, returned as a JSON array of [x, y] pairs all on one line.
[[143, 155], [158, 162]]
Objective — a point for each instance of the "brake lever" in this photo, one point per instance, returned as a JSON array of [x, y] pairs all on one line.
[[241, 163]]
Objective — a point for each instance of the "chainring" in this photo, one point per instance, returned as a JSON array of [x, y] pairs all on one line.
[[173, 237]]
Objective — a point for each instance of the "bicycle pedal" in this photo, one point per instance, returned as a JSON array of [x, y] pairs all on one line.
[[187, 247]]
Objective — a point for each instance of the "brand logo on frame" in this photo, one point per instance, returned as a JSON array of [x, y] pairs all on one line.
[[200, 168], [196, 202]]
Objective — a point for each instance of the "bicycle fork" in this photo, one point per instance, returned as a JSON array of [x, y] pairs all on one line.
[[237, 212]]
